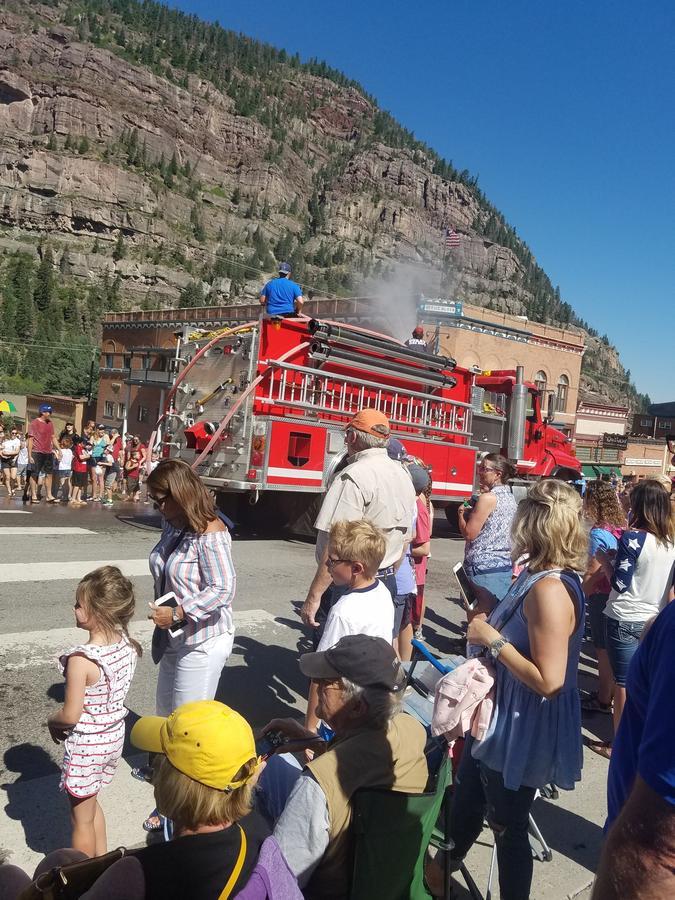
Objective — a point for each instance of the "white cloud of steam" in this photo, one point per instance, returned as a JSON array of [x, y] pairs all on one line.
[[394, 296]]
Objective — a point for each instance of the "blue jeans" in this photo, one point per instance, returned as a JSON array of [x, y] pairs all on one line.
[[479, 793], [623, 639], [497, 582]]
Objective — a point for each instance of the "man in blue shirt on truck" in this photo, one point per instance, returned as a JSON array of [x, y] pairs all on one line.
[[281, 296]]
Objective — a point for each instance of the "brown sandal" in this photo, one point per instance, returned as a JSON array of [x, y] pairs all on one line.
[[602, 748]]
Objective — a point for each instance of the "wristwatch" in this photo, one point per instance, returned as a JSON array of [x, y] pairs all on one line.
[[175, 617], [497, 646]]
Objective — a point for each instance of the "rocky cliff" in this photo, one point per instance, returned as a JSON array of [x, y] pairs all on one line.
[[177, 162]]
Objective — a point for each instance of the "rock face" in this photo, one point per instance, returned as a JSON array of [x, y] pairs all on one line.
[[94, 149]]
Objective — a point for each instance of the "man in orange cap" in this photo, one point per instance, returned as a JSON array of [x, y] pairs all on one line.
[[372, 486]]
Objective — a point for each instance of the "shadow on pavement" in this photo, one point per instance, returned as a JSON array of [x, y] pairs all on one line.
[[30, 804], [569, 834], [262, 681]]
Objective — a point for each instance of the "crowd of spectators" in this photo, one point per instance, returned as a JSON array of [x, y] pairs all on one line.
[[98, 466]]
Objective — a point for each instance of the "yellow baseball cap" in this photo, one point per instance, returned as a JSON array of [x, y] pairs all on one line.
[[205, 740]]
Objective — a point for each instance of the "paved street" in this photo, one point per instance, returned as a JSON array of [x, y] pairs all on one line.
[[44, 553]]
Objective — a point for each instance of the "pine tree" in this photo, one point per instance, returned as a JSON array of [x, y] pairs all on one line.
[[119, 251], [173, 165], [83, 146], [191, 296], [24, 318], [51, 141], [44, 293], [236, 196]]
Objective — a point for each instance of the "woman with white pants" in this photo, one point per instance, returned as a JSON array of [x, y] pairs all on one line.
[[193, 559]]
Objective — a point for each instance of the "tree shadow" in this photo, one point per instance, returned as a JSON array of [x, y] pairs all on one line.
[[262, 681], [30, 804], [568, 833], [442, 622]]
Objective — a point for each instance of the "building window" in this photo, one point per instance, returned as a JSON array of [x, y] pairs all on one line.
[[584, 454], [664, 426], [110, 361], [561, 394], [126, 361], [108, 409], [646, 423], [143, 414], [540, 381], [121, 410]]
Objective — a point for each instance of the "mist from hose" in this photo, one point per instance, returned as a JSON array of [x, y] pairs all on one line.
[[395, 295]]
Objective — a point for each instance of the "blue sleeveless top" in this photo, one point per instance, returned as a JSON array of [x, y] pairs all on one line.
[[531, 740], [491, 548]]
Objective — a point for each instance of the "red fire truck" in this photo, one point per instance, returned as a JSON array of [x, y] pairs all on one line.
[[259, 411]]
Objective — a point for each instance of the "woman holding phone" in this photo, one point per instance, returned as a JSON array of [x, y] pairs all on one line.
[[533, 638], [192, 560], [486, 527]]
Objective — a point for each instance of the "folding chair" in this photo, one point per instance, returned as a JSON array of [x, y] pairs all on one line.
[[391, 833]]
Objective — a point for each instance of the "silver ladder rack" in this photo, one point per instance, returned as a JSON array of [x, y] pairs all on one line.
[[325, 393]]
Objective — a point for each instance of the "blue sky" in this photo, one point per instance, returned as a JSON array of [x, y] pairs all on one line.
[[565, 112]]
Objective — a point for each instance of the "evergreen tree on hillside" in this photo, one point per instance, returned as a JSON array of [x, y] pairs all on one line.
[[119, 251], [44, 292], [24, 319]]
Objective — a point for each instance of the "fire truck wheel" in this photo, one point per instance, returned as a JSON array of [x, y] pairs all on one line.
[[451, 515]]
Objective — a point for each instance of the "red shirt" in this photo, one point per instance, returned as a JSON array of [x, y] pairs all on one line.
[[42, 433], [79, 463]]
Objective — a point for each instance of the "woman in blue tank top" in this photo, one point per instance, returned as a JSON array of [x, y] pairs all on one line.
[[534, 638]]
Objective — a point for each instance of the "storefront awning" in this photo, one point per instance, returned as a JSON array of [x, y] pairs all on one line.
[[596, 470]]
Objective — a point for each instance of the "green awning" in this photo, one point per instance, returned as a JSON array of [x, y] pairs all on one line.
[[595, 470]]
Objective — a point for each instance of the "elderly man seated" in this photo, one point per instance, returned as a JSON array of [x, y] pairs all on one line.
[[375, 745]]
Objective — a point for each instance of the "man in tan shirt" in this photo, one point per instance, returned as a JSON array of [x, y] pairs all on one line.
[[372, 487]]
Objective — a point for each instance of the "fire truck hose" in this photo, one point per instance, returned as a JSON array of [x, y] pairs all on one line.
[[378, 341], [252, 386], [200, 353], [385, 365]]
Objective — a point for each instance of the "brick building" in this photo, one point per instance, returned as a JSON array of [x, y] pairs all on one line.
[[645, 457], [659, 422], [475, 336]]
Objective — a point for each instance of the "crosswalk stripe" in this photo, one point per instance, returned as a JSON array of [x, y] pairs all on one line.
[[14, 512], [42, 530], [28, 649], [62, 571]]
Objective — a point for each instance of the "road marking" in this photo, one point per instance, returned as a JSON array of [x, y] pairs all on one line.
[[29, 649], [61, 571], [14, 512], [37, 529]]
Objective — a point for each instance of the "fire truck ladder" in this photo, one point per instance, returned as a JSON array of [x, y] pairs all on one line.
[[326, 393]]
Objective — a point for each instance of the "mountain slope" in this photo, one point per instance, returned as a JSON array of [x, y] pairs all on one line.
[[169, 161]]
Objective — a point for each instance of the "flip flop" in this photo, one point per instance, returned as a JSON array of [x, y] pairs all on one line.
[[153, 823], [602, 748]]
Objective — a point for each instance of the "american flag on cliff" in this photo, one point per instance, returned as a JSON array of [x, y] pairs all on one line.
[[451, 238]]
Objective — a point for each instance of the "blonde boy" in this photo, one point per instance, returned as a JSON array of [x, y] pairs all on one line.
[[355, 552]]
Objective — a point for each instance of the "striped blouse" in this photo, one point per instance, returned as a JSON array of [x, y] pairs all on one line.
[[200, 572]]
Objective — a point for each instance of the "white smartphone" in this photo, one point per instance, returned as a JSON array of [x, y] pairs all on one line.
[[466, 590], [170, 600]]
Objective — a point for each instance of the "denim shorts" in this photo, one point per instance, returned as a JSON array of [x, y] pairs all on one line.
[[595, 604], [623, 639]]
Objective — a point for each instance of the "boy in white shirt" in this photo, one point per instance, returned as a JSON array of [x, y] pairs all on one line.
[[355, 552]]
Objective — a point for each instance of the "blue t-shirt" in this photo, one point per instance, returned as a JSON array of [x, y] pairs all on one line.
[[281, 294], [645, 742]]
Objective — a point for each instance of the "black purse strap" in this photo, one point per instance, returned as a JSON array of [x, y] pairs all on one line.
[[162, 578]]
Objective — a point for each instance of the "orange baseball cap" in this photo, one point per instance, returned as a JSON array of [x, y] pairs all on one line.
[[372, 421]]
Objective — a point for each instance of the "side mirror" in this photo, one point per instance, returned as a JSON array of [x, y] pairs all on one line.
[[550, 411]]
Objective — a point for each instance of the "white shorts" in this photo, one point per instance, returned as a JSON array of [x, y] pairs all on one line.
[[90, 761]]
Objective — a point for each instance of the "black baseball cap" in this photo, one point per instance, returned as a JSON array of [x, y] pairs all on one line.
[[365, 660]]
